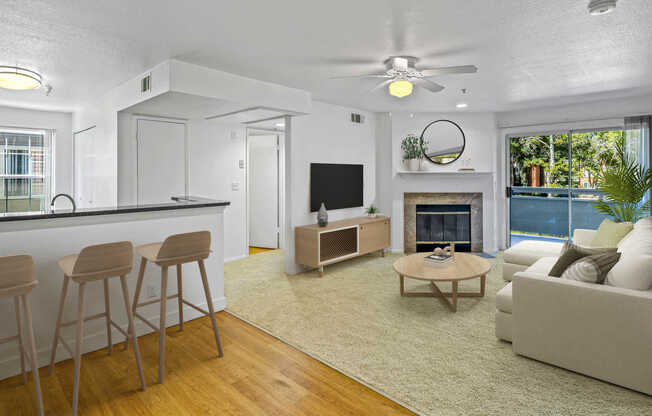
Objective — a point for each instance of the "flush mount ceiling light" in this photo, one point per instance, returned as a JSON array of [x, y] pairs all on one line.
[[462, 105], [15, 78], [400, 88], [598, 7]]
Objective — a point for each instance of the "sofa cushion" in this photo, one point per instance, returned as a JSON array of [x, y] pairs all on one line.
[[504, 299], [610, 233], [571, 252], [529, 251], [591, 269], [634, 269], [542, 266]]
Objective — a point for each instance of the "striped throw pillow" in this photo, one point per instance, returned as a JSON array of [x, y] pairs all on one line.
[[591, 269]]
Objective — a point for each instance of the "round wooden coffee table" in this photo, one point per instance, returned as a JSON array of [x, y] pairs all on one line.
[[466, 266]]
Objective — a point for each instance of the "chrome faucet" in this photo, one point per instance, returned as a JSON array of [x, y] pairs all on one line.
[[74, 207]]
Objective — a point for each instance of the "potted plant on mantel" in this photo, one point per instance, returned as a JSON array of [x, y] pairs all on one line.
[[624, 185], [412, 152]]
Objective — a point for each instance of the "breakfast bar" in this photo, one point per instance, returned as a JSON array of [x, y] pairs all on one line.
[[50, 235]]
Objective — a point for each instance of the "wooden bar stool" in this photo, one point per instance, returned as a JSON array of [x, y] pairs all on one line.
[[100, 262], [175, 251], [17, 279]]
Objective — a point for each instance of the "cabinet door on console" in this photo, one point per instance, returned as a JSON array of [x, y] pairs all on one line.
[[374, 236]]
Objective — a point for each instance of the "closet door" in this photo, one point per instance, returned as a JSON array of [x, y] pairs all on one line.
[[87, 175], [161, 160]]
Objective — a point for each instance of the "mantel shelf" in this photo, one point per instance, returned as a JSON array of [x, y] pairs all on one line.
[[446, 173]]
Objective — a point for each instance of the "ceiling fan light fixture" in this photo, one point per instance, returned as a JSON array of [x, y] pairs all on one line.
[[400, 88], [15, 78], [600, 7]]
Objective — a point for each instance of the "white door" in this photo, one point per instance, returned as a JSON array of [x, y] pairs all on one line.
[[86, 181], [161, 161], [263, 191]]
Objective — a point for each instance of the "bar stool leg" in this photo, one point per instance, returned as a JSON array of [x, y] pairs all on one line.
[[107, 310], [180, 295], [139, 286], [132, 330], [78, 346], [55, 343], [209, 301], [21, 346], [32, 355], [161, 328]]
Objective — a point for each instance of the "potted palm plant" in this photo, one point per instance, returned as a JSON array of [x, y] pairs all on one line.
[[624, 185], [412, 152]]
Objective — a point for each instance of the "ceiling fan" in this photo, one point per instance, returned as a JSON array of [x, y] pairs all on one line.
[[401, 75]]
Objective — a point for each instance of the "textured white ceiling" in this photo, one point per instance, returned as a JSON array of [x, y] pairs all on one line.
[[529, 52]]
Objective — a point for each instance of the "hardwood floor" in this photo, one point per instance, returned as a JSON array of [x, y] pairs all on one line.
[[256, 250], [259, 375]]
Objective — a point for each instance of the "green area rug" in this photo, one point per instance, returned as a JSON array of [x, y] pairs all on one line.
[[413, 350]]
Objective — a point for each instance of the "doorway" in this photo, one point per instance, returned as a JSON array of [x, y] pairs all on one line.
[[552, 181], [264, 189]]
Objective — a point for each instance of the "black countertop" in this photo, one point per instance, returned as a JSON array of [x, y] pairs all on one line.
[[179, 203]]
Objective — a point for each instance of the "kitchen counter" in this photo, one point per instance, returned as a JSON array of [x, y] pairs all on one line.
[[178, 203], [48, 236]]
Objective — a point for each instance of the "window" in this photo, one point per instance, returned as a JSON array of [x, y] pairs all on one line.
[[25, 170]]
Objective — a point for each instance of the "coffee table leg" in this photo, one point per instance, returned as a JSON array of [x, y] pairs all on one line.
[[483, 280], [402, 281], [454, 296]]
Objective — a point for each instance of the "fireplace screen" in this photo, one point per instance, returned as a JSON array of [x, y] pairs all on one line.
[[440, 225]]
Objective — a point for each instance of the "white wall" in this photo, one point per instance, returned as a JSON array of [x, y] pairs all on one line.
[[480, 131], [327, 135], [214, 156], [213, 166], [61, 123]]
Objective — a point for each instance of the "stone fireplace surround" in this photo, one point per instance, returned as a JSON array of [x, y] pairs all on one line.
[[411, 200]]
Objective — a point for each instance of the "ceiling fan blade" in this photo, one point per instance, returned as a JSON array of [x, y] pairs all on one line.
[[379, 86], [428, 85], [363, 76], [464, 69]]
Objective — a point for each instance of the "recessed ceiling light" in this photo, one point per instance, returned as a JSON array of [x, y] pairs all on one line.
[[400, 88], [598, 7], [15, 78], [462, 105]]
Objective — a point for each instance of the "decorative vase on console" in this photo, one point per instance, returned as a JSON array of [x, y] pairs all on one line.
[[322, 216]]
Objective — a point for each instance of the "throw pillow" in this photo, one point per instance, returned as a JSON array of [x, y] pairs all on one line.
[[610, 233], [570, 253], [591, 269]]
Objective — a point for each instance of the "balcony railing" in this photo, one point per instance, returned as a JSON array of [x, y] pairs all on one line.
[[547, 211]]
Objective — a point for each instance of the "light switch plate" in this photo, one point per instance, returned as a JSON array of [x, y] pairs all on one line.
[[241, 164], [235, 186]]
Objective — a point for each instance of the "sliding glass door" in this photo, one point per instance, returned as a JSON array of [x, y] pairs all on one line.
[[553, 182]]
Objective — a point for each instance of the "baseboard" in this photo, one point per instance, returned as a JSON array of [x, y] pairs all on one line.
[[97, 341], [236, 258]]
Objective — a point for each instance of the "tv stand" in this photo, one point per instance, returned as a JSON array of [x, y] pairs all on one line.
[[317, 246]]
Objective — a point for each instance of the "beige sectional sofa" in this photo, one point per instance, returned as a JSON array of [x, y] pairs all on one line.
[[599, 330]]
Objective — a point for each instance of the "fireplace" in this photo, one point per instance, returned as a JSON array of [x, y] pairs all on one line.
[[435, 219], [441, 225]]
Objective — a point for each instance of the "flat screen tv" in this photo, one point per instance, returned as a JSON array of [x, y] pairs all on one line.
[[336, 185]]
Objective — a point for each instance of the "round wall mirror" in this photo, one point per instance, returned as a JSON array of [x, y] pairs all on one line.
[[442, 142]]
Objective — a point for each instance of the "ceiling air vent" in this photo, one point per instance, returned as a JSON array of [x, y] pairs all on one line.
[[146, 83], [357, 118]]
